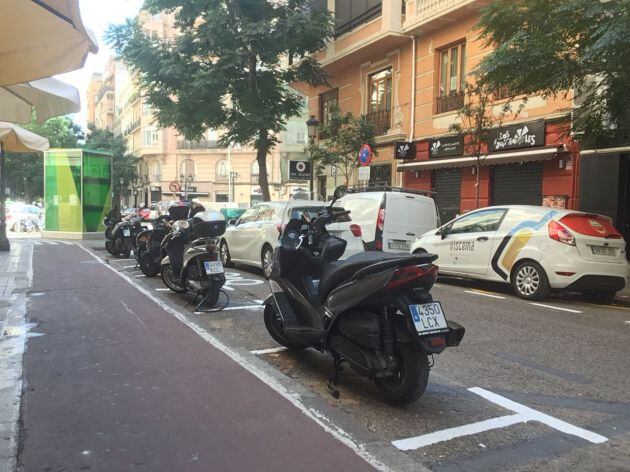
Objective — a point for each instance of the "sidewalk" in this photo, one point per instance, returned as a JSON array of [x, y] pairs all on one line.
[[116, 382], [15, 273]]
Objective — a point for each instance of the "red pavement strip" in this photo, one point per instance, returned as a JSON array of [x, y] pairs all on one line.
[[118, 384]]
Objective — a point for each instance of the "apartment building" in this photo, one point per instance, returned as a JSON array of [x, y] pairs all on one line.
[[404, 65], [202, 169]]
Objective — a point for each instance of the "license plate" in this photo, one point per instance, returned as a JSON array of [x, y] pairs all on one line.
[[604, 251], [213, 267], [126, 233], [428, 318], [403, 245]]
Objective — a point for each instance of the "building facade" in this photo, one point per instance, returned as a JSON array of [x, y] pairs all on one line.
[[404, 65], [194, 169]]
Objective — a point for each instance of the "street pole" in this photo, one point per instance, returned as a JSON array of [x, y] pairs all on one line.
[[4, 242]]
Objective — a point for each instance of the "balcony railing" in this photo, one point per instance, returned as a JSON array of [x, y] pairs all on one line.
[[450, 102], [346, 25], [430, 8], [201, 144], [102, 93], [132, 127], [381, 120]]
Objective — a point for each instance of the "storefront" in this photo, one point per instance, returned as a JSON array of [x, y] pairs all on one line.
[[525, 164]]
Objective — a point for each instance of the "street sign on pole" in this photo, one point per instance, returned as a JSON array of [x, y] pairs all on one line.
[[174, 186], [365, 155], [364, 173]]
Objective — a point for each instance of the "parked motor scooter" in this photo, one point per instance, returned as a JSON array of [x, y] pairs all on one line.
[[110, 221], [196, 242], [373, 310], [149, 251], [124, 235]]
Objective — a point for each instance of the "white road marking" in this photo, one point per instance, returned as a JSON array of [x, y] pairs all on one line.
[[244, 307], [127, 259], [130, 267], [52, 242], [163, 289], [627, 322], [293, 397], [132, 313], [570, 310], [37, 243], [483, 294], [272, 350], [228, 288], [522, 414], [139, 276], [259, 301]]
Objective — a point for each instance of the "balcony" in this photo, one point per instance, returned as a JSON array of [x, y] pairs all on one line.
[[345, 25], [201, 144], [103, 92], [132, 127], [428, 15], [450, 102], [381, 120]]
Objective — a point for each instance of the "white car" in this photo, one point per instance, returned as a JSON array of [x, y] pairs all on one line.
[[533, 248], [253, 237], [390, 220]]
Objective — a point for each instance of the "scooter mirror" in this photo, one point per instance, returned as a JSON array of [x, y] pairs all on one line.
[[340, 192]]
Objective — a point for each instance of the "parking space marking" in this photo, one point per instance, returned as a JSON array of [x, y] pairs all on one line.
[[139, 276], [272, 350], [485, 294], [570, 310], [130, 267], [627, 322], [522, 414], [163, 289]]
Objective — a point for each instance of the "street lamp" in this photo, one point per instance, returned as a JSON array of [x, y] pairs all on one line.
[[233, 177], [312, 125], [122, 181]]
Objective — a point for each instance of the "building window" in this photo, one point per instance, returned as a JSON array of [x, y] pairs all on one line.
[[221, 197], [222, 169], [380, 101], [300, 137], [452, 78], [146, 108], [256, 170], [157, 171], [149, 137], [327, 102]]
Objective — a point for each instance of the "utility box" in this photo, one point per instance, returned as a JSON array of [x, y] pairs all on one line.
[[77, 193]]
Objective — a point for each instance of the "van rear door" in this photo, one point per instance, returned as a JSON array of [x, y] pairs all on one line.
[[407, 217]]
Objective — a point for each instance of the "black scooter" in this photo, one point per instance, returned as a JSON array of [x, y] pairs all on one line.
[[124, 235], [372, 310], [110, 221], [149, 251]]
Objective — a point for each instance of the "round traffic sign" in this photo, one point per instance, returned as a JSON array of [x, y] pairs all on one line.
[[174, 186], [365, 155]]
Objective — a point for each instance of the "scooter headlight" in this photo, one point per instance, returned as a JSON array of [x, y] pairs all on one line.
[[184, 224]]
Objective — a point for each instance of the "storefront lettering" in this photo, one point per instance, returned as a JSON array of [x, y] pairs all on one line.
[[518, 136]]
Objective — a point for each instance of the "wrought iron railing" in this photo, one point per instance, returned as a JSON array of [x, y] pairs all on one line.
[[380, 120], [201, 144], [363, 17], [450, 102]]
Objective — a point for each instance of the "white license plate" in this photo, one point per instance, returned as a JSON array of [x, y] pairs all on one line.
[[604, 251], [428, 318], [403, 245], [213, 267], [126, 233]]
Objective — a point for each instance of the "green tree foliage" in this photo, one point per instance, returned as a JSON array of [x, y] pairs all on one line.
[[25, 171], [343, 134], [226, 68], [554, 46], [123, 163]]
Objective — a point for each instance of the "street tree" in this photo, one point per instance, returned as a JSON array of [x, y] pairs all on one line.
[[475, 122], [228, 67], [25, 171], [560, 47], [123, 163], [343, 134]]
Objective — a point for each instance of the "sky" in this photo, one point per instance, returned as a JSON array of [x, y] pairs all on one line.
[[97, 15]]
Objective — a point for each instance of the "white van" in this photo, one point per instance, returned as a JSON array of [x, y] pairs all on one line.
[[390, 220]]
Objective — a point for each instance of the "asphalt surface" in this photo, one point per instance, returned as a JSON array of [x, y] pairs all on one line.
[[563, 361], [117, 383]]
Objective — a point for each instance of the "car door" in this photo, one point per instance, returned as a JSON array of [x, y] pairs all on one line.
[[237, 238], [254, 236], [466, 244]]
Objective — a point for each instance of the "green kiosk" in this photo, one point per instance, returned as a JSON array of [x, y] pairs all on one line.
[[77, 193]]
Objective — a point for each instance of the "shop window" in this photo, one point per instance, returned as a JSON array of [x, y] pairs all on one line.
[[451, 78], [380, 101]]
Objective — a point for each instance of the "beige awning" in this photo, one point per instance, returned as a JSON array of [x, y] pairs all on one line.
[[41, 38], [530, 155]]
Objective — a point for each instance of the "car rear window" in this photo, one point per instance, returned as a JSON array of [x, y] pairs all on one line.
[[312, 212], [590, 225]]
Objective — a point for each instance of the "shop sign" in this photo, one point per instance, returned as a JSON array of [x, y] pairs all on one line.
[[405, 150], [190, 189], [156, 189], [524, 135], [299, 170], [446, 146], [364, 173]]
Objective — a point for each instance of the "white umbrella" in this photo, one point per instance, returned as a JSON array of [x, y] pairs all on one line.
[[41, 38], [48, 97], [15, 139]]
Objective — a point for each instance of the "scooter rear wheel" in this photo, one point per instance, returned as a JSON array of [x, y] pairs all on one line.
[[167, 278], [410, 381], [275, 327]]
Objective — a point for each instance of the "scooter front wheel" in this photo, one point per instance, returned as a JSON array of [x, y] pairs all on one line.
[[275, 327], [410, 381], [167, 278], [147, 265]]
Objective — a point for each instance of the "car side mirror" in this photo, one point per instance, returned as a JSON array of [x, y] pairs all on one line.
[[232, 222], [444, 232]]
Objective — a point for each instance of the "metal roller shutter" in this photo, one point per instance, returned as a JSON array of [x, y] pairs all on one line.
[[448, 185], [517, 184]]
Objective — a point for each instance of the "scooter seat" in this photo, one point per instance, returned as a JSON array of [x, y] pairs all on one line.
[[338, 271]]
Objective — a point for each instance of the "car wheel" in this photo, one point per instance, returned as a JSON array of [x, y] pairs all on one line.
[[224, 252], [604, 297], [267, 261], [420, 251], [529, 281]]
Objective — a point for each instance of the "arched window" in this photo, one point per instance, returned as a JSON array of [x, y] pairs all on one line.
[[187, 169], [222, 169], [255, 168]]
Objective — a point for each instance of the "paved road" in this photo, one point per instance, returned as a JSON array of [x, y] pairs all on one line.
[[562, 358], [117, 383]]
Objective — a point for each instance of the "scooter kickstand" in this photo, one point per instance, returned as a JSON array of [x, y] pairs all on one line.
[[331, 384]]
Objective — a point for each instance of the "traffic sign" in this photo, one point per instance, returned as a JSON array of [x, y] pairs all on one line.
[[174, 186], [365, 155]]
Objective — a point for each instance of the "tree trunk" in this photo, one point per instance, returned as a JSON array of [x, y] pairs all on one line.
[[261, 158], [477, 182]]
